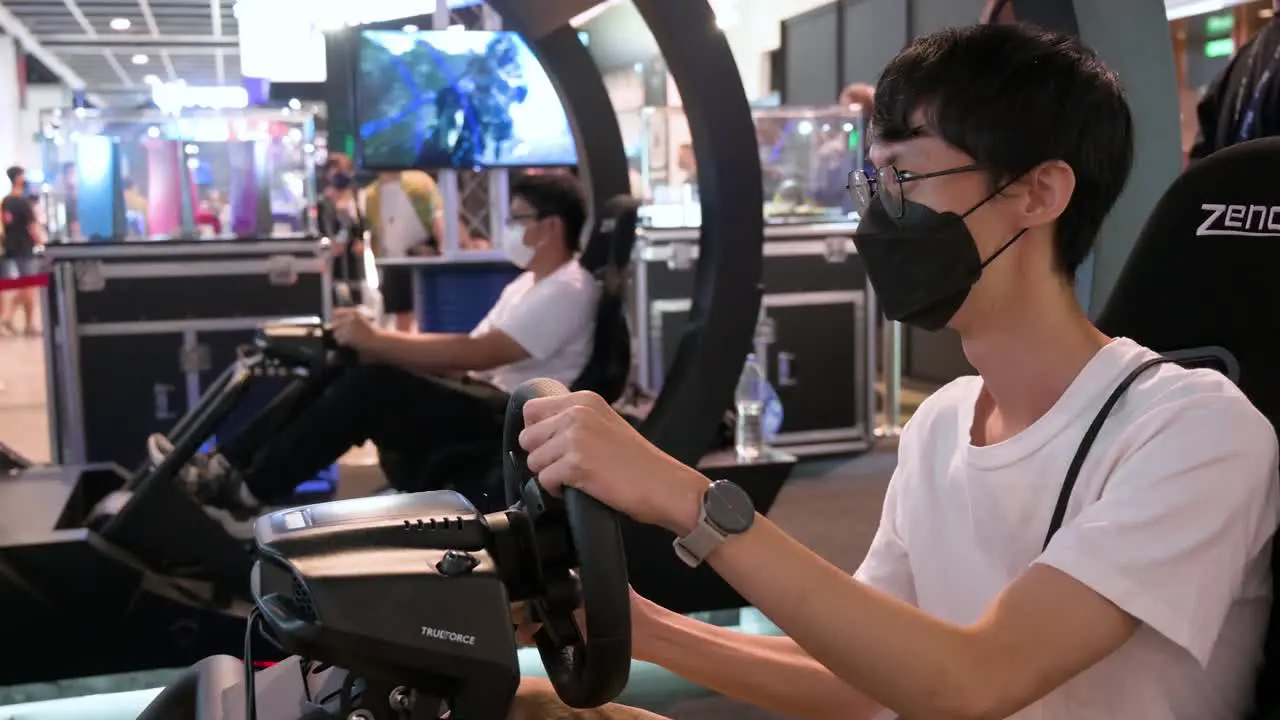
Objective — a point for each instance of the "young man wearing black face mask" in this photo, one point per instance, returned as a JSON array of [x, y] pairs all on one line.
[[999, 152]]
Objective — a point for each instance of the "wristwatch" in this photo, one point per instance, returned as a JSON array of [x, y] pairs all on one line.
[[726, 510]]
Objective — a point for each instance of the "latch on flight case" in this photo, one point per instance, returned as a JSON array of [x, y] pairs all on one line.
[[89, 277], [282, 270], [194, 359], [682, 256], [837, 250]]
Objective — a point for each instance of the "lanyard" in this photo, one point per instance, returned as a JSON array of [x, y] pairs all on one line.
[[1246, 118], [1077, 462]]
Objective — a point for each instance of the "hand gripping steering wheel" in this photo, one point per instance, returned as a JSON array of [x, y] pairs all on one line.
[[585, 671]]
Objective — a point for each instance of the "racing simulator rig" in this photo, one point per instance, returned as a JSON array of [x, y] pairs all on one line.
[[169, 583], [406, 600]]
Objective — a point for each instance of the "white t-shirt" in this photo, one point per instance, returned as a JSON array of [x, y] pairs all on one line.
[[1171, 519], [399, 225], [553, 319]]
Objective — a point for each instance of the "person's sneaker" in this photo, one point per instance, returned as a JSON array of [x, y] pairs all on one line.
[[158, 448], [210, 479], [219, 485]]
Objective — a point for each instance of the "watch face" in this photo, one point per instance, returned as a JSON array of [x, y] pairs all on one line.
[[729, 507]]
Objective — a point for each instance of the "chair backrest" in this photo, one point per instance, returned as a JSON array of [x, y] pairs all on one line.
[[1204, 274], [608, 256]]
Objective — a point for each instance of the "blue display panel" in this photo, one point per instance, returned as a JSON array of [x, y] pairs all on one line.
[[461, 99]]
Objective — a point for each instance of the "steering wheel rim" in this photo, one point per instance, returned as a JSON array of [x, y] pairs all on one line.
[[594, 670]]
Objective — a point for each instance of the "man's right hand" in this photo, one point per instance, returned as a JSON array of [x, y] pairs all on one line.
[[352, 329]]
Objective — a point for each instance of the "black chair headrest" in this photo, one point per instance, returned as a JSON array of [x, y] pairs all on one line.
[[614, 235], [1206, 268]]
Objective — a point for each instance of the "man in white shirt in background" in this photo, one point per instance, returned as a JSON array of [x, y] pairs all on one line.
[[406, 218], [422, 393]]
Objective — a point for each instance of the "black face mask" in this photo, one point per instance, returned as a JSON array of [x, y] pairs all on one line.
[[340, 181], [922, 265]]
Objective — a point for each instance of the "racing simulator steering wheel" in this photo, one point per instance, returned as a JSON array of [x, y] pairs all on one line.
[[411, 595]]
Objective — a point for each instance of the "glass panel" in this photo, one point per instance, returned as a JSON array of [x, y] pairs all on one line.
[[806, 155], [144, 175]]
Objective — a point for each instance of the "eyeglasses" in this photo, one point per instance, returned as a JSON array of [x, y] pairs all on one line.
[[888, 182], [523, 218]]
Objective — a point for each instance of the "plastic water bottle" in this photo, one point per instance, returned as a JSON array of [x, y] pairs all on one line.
[[771, 421], [749, 399]]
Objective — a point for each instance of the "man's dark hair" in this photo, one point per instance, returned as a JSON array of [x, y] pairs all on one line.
[[559, 195], [1013, 97], [337, 161], [14, 173]]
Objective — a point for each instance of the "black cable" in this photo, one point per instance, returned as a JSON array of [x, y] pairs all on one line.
[[250, 693], [304, 665], [348, 696]]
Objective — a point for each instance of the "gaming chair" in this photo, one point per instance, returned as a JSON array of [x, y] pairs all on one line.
[[471, 466], [608, 258], [1204, 275]]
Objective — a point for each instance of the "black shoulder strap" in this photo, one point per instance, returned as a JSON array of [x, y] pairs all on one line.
[[1077, 462]]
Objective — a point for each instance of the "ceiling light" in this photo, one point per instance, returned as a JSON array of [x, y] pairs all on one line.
[[410, 28], [141, 59], [150, 79], [1191, 8], [120, 24]]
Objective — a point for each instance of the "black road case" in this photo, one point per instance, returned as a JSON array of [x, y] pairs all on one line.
[[139, 330], [817, 338]]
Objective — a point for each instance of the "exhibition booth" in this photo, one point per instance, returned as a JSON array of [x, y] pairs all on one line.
[[183, 239], [189, 289]]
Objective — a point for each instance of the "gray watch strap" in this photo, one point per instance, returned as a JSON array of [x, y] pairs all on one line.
[[694, 548]]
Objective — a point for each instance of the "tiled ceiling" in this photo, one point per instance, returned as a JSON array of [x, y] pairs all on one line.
[[191, 40]]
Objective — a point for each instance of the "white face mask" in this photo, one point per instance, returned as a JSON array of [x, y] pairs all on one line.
[[513, 245]]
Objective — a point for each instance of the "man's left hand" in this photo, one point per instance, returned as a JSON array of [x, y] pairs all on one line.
[[578, 441], [352, 329]]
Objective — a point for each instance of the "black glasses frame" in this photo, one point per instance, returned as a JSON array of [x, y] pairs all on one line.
[[864, 185], [532, 217]]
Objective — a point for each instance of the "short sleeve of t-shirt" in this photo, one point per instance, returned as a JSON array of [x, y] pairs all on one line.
[[550, 314], [887, 566], [1182, 518]]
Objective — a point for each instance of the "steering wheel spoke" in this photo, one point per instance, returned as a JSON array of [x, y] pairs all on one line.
[[587, 665]]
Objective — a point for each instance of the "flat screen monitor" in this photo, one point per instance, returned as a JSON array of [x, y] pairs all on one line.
[[456, 99]]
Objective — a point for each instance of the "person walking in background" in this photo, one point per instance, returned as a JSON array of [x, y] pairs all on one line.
[[22, 233], [1243, 103], [339, 218], [405, 216]]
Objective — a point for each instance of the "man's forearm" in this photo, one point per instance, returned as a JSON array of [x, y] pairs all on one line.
[[773, 673], [916, 664], [426, 353]]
